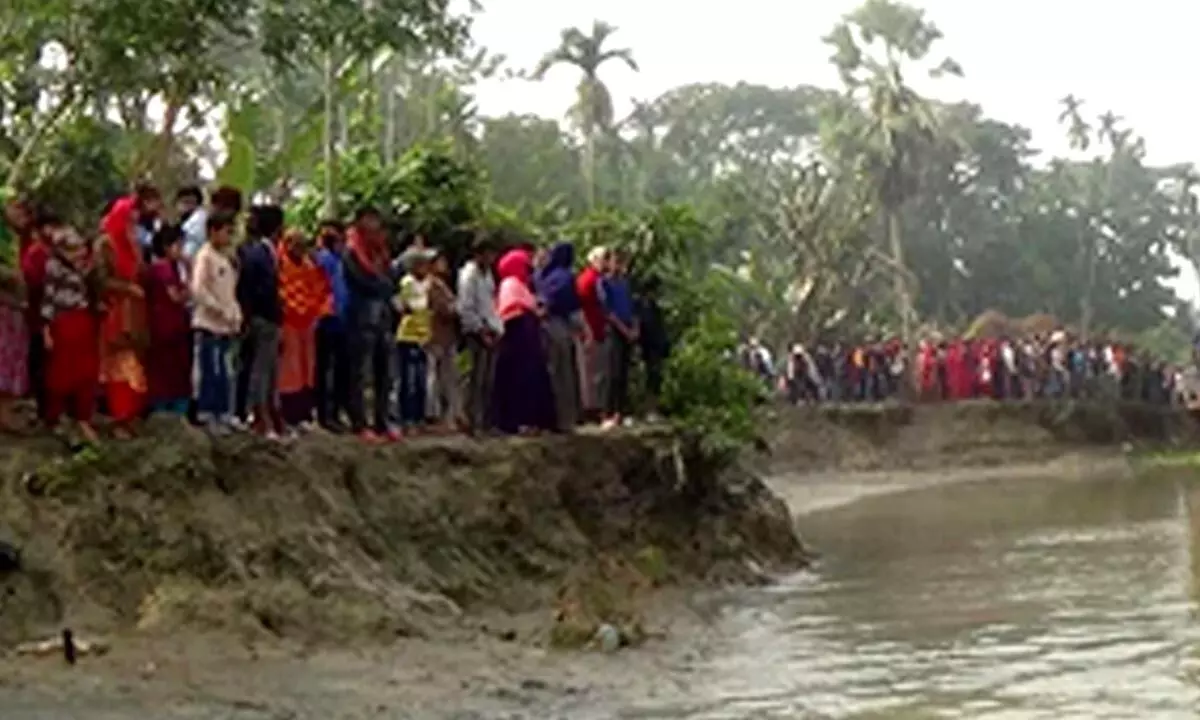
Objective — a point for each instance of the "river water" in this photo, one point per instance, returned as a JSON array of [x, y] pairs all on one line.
[[1023, 599]]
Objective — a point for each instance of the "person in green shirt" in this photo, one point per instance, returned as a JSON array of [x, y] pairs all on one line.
[[413, 334]]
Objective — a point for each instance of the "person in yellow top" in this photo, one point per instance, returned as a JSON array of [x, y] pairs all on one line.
[[413, 333]]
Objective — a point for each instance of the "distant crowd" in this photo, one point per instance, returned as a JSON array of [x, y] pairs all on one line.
[[1051, 365], [255, 326]]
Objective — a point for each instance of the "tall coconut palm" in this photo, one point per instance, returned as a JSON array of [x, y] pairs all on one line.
[[592, 112], [872, 48]]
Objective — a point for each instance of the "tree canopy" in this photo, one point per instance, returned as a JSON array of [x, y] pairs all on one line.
[[851, 210]]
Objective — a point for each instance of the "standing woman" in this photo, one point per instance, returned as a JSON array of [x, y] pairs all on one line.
[[169, 356], [33, 254], [123, 334], [564, 321], [304, 296], [522, 399]]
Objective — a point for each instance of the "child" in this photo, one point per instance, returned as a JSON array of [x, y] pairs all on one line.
[[169, 356], [71, 332], [442, 401], [217, 319], [414, 333], [305, 295]]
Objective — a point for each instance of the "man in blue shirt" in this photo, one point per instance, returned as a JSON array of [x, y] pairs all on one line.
[[333, 362]]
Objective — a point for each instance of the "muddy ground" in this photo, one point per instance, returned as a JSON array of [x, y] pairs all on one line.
[[210, 654]]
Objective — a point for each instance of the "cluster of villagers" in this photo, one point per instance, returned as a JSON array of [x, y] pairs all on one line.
[[278, 332], [996, 360]]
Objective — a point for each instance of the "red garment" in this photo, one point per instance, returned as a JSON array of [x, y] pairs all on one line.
[[371, 251], [927, 369], [73, 366], [169, 356], [958, 378], [587, 286], [124, 330], [985, 376], [34, 256]]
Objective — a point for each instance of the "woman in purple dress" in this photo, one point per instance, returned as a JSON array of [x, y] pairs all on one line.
[[522, 397]]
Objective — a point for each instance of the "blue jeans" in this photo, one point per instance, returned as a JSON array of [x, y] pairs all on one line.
[[413, 378], [212, 366]]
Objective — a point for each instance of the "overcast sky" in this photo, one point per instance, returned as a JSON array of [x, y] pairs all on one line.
[[1019, 57]]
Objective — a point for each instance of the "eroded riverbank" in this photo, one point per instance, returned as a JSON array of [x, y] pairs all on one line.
[[787, 650]]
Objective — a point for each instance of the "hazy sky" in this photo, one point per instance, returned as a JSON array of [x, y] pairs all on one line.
[[1019, 57]]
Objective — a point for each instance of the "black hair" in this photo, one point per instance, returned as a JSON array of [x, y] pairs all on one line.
[[265, 221], [329, 232], [365, 212], [146, 191], [190, 191], [164, 238], [46, 216], [218, 221], [227, 198]]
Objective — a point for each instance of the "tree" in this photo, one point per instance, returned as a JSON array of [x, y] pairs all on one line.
[[872, 45], [593, 109]]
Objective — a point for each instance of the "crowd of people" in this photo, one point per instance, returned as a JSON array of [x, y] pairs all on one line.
[[260, 327], [1050, 365]]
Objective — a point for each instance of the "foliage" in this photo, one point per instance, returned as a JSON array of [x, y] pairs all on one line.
[[794, 212]]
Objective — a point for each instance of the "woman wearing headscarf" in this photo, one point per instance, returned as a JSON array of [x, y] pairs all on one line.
[[556, 289], [305, 295], [523, 398], [123, 334]]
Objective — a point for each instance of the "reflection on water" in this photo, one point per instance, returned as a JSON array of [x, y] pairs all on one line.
[[1003, 600]]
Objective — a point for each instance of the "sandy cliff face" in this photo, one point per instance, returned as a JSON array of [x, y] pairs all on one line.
[[331, 541]]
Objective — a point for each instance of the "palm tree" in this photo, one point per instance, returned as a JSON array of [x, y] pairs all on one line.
[[899, 122], [593, 108]]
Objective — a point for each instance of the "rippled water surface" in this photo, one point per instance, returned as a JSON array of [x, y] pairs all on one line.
[[998, 600]]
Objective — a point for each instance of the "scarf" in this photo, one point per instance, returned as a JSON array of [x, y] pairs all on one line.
[[371, 252], [118, 227], [556, 282], [304, 290], [515, 297]]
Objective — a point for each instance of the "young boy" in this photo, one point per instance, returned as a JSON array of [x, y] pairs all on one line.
[[414, 333], [217, 319]]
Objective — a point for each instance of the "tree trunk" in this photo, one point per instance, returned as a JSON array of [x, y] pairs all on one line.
[[17, 169], [589, 167], [1085, 300], [328, 138], [904, 301]]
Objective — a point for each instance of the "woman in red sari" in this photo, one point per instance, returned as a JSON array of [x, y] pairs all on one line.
[[123, 334], [169, 357]]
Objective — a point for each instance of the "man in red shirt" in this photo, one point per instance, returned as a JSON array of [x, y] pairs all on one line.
[[591, 348]]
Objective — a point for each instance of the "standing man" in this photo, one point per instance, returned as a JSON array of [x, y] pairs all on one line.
[[258, 296], [593, 386], [481, 327]]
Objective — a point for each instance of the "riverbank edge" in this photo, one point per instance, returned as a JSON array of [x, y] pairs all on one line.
[[330, 543]]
